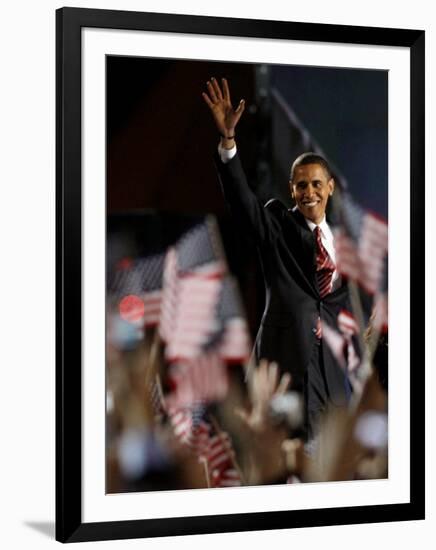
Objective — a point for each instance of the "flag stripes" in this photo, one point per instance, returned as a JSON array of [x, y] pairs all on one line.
[[201, 379], [341, 343], [193, 319], [209, 445], [361, 244]]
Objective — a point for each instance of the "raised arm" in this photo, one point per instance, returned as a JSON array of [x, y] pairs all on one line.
[[244, 204]]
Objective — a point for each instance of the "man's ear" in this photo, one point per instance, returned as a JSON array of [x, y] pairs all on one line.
[[331, 185], [291, 188]]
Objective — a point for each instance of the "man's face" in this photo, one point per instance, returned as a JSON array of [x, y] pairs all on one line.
[[311, 188]]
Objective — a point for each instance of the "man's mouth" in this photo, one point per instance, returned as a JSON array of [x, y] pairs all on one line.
[[310, 204]]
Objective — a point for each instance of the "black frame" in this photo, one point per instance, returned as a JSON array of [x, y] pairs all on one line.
[[69, 22]]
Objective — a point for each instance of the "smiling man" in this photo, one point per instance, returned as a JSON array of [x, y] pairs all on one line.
[[296, 248], [311, 185]]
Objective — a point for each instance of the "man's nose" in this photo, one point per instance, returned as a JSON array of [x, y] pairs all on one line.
[[309, 191]]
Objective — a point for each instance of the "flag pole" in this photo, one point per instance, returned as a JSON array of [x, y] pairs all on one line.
[[366, 367]]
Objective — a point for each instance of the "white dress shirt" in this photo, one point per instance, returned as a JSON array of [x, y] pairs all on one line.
[[226, 154]]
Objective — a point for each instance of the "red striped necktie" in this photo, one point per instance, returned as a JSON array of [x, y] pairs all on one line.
[[324, 272], [324, 266]]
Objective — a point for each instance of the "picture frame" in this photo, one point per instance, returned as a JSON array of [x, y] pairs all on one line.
[[70, 152]]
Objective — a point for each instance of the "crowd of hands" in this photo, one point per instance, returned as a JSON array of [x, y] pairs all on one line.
[[260, 446], [264, 450]]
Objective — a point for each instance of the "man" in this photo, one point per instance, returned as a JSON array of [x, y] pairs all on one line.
[[303, 288]]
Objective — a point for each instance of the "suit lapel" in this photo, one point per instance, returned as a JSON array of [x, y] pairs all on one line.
[[306, 247]]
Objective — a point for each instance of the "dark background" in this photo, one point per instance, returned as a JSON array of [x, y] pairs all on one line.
[[161, 140]]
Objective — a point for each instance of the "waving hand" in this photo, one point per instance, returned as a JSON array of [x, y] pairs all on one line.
[[219, 102]]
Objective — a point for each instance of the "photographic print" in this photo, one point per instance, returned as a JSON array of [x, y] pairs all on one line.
[[239, 276]]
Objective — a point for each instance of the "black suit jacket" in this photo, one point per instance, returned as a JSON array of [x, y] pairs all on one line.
[[293, 303]]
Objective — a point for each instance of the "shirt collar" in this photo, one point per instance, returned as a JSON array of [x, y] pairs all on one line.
[[325, 229]]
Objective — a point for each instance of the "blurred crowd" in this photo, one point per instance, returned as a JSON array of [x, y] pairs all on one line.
[[186, 405]]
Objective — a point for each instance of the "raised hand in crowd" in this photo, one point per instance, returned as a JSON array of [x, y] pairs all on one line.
[[263, 385]]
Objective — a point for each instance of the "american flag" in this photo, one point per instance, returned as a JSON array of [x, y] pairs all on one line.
[[193, 320], [211, 445], [200, 250], [336, 342], [211, 334], [203, 379], [219, 451], [347, 323], [235, 346], [202, 322], [141, 278], [192, 277], [361, 244], [232, 337], [220, 459], [341, 343], [190, 426]]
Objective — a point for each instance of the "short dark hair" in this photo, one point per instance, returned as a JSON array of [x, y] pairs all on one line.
[[310, 158]]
